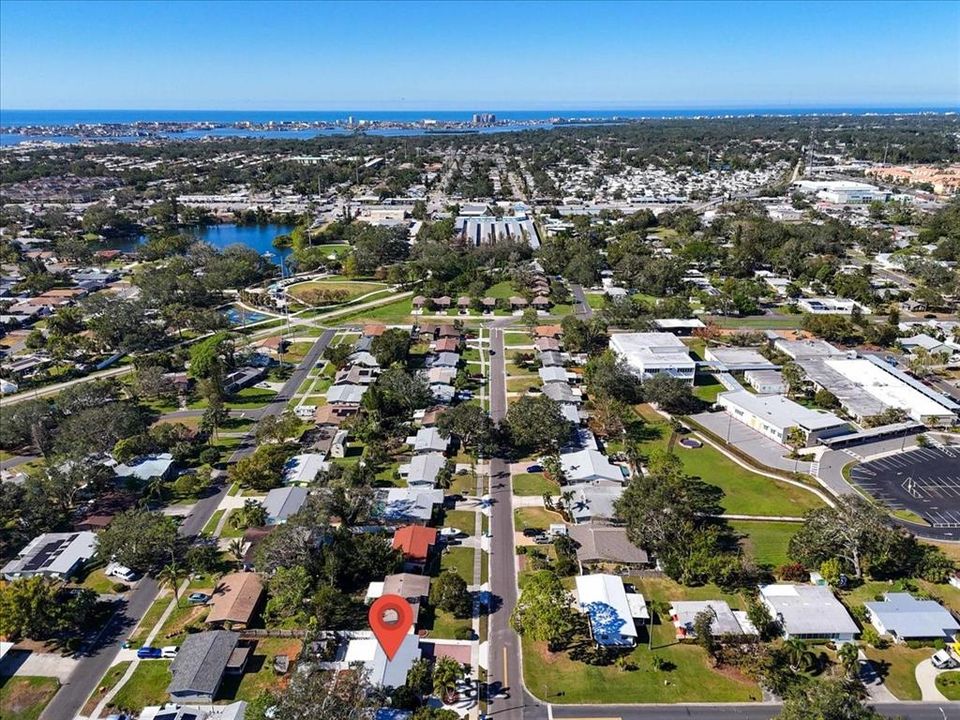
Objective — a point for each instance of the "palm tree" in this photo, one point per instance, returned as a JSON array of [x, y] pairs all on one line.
[[446, 674], [171, 575], [850, 658], [799, 655], [236, 550], [155, 487], [252, 514]]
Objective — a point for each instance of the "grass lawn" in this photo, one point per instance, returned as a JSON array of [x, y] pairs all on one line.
[[353, 288], [766, 542], [397, 312], [690, 679], [212, 523], [259, 675], [745, 493], [460, 561], [229, 531], [24, 697], [502, 290], [759, 322], [664, 590], [147, 686], [110, 678], [596, 300], [517, 338], [443, 624], [150, 618], [463, 520], [706, 387], [896, 665], [534, 484], [251, 399], [464, 484], [174, 630], [534, 517], [949, 684]]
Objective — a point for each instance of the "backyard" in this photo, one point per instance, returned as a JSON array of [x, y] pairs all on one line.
[[765, 542]]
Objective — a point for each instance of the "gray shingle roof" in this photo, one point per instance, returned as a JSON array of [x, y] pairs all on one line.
[[198, 667]]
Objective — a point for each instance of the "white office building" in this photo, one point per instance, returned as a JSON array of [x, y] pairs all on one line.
[[650, 353], [775, 415]]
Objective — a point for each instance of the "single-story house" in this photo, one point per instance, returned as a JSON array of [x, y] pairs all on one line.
[[589, 466], [808, 611], [281, 503], [547, 344], [346, 394], [428, 440], [553, 374], [199, 666], [242, 378], [174, 711], [302, 469], [441, 375], [52, 555], [607, 544], [725, 621], [551, 358], [604, 600], [445, 359], [417, 544], [554, 331], [235, 599], [334, 415], [904, 617], [407, 505], [159, 465], [595, 502], [423, 469], [447, 344], [561, 393], [443, 393], [357, 375], [381, 671], [415, 589]]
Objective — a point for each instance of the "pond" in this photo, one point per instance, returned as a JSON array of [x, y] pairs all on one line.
[[257, 237]]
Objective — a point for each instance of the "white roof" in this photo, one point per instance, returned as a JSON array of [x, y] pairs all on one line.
[[780, 411], [384, 672], [52, 554], [423, 469], [429, 439], [684, 613], [589, 466], [147, 467], [908, 617], [410, 503], [604, 599], [650, 351], [885, 385], [281, 503], [638, 606], [302, 469], [350, 394], [808, 610]]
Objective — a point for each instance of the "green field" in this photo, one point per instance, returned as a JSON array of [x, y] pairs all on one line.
[[897, 665], [460, 561], [534, 484], [949, 684], [766, 542], [24, 697], [147, 686], [534, 517], [353, 288], [395, 313], [707, 388]]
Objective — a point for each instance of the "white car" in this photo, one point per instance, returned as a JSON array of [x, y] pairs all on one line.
[[122, 572], [170, 651], [449, 532], [943, 660]]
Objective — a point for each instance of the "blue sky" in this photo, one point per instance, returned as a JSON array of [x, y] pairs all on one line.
[[459, 55]]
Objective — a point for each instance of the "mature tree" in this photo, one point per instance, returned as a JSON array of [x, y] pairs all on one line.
[[336, 610], [287, 589], [142, 541], [608, 375], [543, 611], [589, 336], [39, 608], [171, 575], [29, 424], [97, 429], [278, 428], [449, 593], [470, 425], [535, 421], [396, 393], [212, 357], [151, 382], [671, 394], [828, 699], [263, 470], [703, 628], [324, 695], [391, 347], [338, 355]]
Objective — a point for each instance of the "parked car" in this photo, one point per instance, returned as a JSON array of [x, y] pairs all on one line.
[[943, 660], [197, 598], [532, 532], [449, 532], [149, 653], [116, 570], [534, 468], [543, 540], [169, 651]]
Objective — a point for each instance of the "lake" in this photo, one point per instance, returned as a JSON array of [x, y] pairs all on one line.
[[258, 237]]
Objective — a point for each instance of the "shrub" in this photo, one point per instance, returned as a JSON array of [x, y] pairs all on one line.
[[794, 572], [464, 633], [120, 587]]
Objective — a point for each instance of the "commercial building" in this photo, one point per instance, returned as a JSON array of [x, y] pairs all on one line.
[[766, 382], [842, 192], [736, 359], [650, 353], [52, 555], [830, 306], [808, 611], [867, 386], [775, 415], [479, 230], [804, 349], [604, 600], [904, 617]]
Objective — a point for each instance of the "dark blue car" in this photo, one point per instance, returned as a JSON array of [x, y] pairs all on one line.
[[149, 653]]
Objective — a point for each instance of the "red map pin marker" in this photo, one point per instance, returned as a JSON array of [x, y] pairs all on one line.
[[390, 618]]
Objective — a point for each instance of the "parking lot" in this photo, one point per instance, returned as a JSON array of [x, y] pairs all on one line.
[[925, 481]]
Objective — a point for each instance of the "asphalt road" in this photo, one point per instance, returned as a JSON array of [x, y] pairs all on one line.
[[582, 306], [103, 651], [504, 675]]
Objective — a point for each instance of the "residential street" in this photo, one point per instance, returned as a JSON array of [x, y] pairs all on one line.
[[92, 666]]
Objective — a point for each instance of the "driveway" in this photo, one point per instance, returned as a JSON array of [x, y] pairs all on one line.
[[926, 675], [38, 664], [765, 451]]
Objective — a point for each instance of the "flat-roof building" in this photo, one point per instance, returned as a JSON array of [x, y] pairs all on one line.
[[737, 359], [904, 617], [775, 415], [650, 353], [808, 611]]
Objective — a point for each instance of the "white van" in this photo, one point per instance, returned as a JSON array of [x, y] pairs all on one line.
[[122, 572]]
